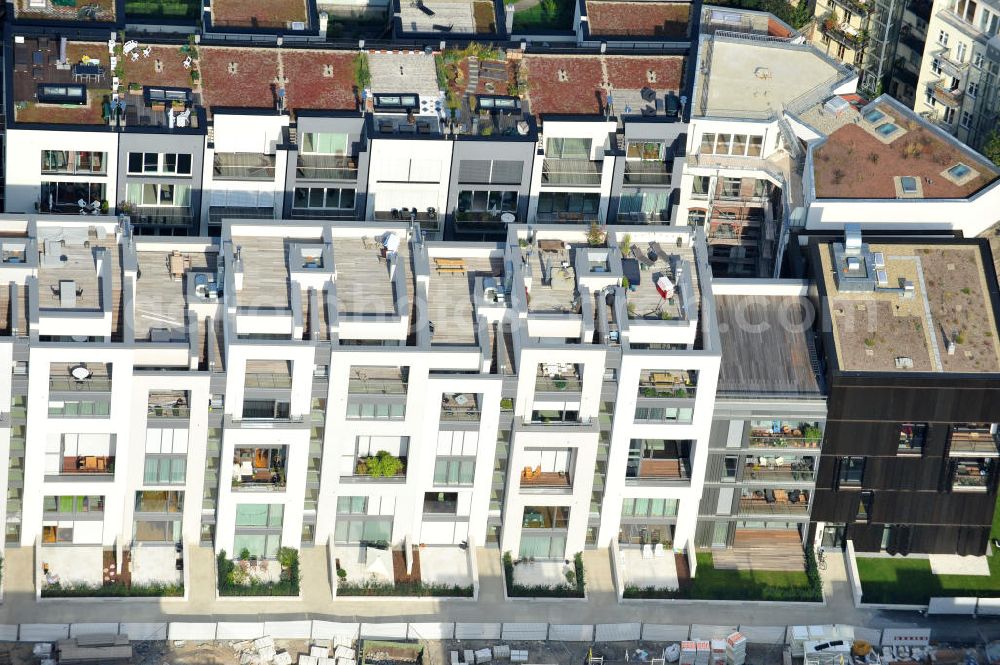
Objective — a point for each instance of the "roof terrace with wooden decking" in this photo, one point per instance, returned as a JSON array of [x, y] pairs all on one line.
[[451, 296], [162, 296]]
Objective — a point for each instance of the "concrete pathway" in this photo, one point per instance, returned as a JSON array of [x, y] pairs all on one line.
[[601, 606]]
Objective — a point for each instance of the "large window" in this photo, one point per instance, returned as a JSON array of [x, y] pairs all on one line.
[[243, 166], [80, 409], [74, 507], [258, 529], [266, 409], [485, 203], [71, 161], [159, 501], [324, 143], [851, 471], [649, 508], [454, 470], [158, 194], [155, 163], [545, 517], [490, 172], [165, 469], [731, 144], [354, 525], [336, 198], [568, 202], [375, 411], [663, 414], [440, 503], [71, 197], [567, 148]]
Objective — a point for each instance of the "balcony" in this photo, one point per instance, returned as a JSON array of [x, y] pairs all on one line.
[[376, 381], [647, 173], [972, 475], [158, 215], [168, 404], [86, 466], [243, 166], [81, 377], [460, 406], [785, 435], [775, 502], [259, 469], [326, 167], [678, 384], [979, 441], [779, 469], [950, 66], [268, 381], [945, 95], [381, 468], [571, 172], [536, 479], [844, 34], [855, 6], [653, 471]]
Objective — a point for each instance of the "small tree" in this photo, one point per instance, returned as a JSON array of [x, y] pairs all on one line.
[[595, 235], [992, 147]]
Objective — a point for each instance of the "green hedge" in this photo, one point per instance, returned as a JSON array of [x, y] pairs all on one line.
[[576, 590], [154, 9], [403, 589], [288, 585], [117, 589]]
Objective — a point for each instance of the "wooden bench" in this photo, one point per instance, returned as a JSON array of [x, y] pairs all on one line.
[[450, 265]]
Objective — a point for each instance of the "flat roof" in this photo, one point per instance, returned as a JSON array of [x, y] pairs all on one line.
[[766, 345], [449, 16], [319, 79], [640, 18], [883, 330], [270, 14], [749, 77], [238, 77], [876, 147], [103, 11], [364, 286], [36, 61], [579, 84], [403, 72]]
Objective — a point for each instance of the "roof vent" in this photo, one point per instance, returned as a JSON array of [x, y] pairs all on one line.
[[904, 362], [650, 76], [852, 239], [234, 68], [836, 105], [853, 264], [563, 76], [327, 71], [878, 259]]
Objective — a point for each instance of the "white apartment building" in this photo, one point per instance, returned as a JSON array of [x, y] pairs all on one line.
[[240, 393], [957, 86]]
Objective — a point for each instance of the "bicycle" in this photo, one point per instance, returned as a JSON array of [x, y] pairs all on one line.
[[820, 558]]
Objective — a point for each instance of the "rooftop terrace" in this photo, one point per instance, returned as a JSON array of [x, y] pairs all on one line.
[[751, 78], [766, 345], [644, 18], [364, 283], [37, 62], [85, 11], [885, 152], [929, 311], [450, 296], [580, 84], [238, 77], [161, 298], [449, 16]]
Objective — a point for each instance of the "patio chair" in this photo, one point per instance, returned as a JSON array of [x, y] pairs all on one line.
[[647, 551], [641, 257], [658, 551]]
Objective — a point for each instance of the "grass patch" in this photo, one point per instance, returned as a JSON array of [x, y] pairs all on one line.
[[712, 584], [403, 589], [186, 10], [995, 530], [116, 590], [233, 581], [550, 14], [575, 587], [908, 581]]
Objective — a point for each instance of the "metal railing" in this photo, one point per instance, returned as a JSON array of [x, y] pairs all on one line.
[[93, 384], [268, 380], [376, 386], [558, 384]]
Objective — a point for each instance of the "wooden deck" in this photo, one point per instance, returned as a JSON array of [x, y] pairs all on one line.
[[450, 307], [363, 284], [546, 479], [662, 468], [762, 549], [160, 301], [265, 272]]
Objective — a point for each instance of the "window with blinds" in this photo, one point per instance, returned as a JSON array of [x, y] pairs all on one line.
[[485, 171]]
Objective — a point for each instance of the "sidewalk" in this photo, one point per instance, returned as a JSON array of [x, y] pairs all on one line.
[[601, 606]]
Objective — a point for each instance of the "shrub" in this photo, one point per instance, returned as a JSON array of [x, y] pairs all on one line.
[[377, 588], [506, 403], [362, 75], [114, 590], [383, 465], [233, 581], [595, 235]]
